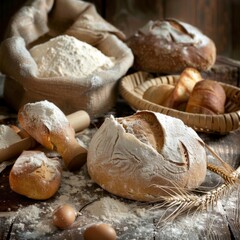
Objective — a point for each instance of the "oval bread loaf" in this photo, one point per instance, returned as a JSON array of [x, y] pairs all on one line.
[[47, 124], [146, 156], [183, 88], [158, 94], [207, 97]]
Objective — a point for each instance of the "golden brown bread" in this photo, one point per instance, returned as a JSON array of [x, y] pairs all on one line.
[[35, 176], [170, 46], [146, 156], [158, 94], [207, 97], [48, 125], [183, 88]]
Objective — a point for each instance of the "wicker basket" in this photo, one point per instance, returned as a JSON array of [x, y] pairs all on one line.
[[133, 86]]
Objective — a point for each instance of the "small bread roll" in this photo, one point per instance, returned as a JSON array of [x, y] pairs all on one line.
[[207, 97], [183, 88], [48, 125], [146, 156], [170, 46], [158, 94], [35, 176]]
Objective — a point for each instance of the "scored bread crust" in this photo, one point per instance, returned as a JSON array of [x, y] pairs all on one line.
[[146, 156], [170, 46], [35, 176]]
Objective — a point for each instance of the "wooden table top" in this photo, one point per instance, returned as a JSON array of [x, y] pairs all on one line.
[[22, 218]]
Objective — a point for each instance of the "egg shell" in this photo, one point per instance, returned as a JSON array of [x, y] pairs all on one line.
[[101, 231], [64, 216]]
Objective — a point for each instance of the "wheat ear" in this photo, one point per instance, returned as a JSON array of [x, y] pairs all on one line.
[[186, 202]]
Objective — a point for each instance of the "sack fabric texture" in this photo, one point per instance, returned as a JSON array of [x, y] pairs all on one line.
[[37, 22]]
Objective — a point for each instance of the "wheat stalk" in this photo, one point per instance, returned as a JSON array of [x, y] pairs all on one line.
[[182, 201], [230, 178]]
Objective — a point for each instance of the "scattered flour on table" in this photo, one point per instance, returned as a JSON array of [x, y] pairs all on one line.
[[7, 136], [109, 209], [35, 219], [68, 57], [132, 221], [85, 136]]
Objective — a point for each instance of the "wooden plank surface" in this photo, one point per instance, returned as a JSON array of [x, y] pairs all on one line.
[[22, 218], [213, 18], [204, 225], [218, 19]]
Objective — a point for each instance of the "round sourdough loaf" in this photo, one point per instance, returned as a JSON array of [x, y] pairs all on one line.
[[170, 46], [146, 156]]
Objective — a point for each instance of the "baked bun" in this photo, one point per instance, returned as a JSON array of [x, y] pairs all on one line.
[[48, 125], [170, 46], [35, 176], [207, 97], [158, 94], [44, 121], [183, 88], [146, 156]]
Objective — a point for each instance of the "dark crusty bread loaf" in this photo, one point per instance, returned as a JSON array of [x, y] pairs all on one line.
[[170, 46]]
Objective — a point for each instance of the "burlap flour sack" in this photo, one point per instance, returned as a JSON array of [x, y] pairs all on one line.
[[41, 20]]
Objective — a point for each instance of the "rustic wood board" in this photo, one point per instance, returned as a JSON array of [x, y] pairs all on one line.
[[221, 223], [21, 218]]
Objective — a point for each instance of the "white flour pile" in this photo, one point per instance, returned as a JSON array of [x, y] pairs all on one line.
[[109, 209], [7, 136], [68, 57]]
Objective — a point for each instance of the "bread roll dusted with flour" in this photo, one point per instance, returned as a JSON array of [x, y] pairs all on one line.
[[35, 176], [48, 125], [170, 46], [146, 156]]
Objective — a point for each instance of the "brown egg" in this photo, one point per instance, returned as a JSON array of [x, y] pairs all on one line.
[[101, 231], [64, 216]]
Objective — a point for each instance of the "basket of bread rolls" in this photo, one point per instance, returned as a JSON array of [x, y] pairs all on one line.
[[170, 77]]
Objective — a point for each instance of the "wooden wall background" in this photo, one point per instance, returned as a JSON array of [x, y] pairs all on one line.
[[218, 19]]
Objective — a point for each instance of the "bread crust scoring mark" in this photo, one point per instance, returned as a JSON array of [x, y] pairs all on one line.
[[170, 46], [126, 161]]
